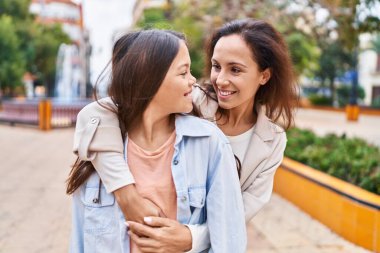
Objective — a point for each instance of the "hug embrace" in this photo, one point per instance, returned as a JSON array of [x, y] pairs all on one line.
[[167, 165]]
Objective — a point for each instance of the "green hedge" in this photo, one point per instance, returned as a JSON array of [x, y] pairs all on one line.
[[352, 160]]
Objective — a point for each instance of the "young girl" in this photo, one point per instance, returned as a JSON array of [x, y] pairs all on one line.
[[182, 164], [252, 91]]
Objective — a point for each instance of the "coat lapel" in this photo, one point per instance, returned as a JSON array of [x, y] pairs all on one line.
[[258, 149]]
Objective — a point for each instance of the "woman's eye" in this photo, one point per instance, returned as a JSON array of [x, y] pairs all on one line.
[[235, 70]]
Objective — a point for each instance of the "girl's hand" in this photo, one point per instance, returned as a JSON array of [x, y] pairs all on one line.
[[160, 235], [135, 207]]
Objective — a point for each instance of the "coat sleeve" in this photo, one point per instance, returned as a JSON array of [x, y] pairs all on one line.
[[98, 139], [200, 237], [260, 191], [224, 204]]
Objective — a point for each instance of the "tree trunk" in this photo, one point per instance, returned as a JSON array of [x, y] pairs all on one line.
[[332, 91]]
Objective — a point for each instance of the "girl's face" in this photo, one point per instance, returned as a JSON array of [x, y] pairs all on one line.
[[174, 94], [234, 74]]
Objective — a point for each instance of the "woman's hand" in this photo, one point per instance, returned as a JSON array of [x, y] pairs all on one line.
[[135, 207], [160, 235]]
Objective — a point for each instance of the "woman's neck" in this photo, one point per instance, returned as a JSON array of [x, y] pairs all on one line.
[[238, 120], [152, 130]]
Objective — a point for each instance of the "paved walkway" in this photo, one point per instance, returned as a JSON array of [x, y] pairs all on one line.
[[35, 212], [323, 122]]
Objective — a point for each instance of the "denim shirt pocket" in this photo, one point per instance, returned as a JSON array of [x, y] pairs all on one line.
[[197, 201], [100, 216]]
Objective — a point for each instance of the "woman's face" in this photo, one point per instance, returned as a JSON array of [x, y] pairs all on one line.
[[234, 74], [174, 94]]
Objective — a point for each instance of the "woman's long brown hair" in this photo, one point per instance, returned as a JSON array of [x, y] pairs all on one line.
[[140, 61]]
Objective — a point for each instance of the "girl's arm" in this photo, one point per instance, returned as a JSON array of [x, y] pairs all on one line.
[[98, 139], [260, 191]]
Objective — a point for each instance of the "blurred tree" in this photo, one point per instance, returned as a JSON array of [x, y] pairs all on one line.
[[15, 8], [34, 45], [46, 41], [12, 63], [376, 47], [304, 52], [334, 62], [350, 18]]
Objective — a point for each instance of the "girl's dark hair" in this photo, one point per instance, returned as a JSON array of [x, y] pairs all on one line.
[[269, 50], [140, 62]]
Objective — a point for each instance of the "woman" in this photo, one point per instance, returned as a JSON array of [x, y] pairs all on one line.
[[150, 68], [252, 92]]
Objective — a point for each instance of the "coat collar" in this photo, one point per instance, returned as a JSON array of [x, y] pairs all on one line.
[[264, 127]]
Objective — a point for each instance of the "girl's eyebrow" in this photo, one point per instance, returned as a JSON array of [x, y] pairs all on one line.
[[184, 65]]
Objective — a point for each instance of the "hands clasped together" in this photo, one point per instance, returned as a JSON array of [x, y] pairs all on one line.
[[148, 226]]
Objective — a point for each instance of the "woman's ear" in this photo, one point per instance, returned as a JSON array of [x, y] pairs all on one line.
[[265, 76]]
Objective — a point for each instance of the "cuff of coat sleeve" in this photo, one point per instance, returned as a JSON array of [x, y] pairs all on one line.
[[119, 183]]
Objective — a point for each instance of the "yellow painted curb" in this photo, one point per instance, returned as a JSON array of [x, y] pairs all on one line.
[[348, 210]]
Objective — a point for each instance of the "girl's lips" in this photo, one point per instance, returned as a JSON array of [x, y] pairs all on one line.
[[188, 95]]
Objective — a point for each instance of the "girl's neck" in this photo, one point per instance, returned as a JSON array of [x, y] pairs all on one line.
[[238, 120], [152, 130]]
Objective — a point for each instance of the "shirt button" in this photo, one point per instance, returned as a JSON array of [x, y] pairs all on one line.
[[94, 120], [176, 162], [184, 198]]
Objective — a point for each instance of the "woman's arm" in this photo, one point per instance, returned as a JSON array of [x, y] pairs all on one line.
[[260, 191], [98, 139]]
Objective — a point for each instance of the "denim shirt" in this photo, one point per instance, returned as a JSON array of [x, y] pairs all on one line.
[[207, 187]]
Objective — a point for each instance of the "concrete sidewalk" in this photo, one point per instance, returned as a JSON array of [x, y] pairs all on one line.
[[35, 212]]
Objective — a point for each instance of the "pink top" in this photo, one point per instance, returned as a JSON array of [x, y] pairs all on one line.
[[153, 176]]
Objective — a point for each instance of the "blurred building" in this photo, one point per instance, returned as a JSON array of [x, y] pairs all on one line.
[[72, 73], [369, 69]]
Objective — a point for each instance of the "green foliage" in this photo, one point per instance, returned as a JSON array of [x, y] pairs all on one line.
[[26, 46], [12, 64], [344, 92], [316, 99], [304, 52], [352, 160], [376, 44], [376, 102], [46, 43], [156, 18], [15, 8]]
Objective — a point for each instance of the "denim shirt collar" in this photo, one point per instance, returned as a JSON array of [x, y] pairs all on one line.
[[187, 125]]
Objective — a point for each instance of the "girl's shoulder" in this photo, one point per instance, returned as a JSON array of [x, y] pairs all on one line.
[[196, 127]]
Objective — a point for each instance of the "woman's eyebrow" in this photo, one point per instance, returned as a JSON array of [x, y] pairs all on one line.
[[232, 63], [237, 63]]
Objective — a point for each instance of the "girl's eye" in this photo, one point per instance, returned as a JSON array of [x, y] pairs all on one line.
[[184, 73], [235, 70]]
